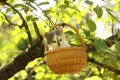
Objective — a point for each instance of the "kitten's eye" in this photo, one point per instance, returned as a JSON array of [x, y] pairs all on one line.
[[60, 39], [54, 41]]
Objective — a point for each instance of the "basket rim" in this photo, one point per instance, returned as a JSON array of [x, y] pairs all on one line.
[[64, 49]]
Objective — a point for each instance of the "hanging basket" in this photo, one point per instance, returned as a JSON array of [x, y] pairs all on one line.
[[69, 59]]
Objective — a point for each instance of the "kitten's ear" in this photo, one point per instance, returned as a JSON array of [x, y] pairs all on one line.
[[61, 30], [46, 35]]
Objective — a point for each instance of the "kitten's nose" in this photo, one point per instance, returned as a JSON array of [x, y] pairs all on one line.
[[58, 43]]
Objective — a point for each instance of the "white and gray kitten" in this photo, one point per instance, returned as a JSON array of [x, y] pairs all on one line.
[[56, 39]]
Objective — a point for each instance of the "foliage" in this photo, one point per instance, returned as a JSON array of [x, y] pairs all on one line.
[[95, 22]]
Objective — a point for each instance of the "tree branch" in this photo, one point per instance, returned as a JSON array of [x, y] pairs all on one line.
[[39, 37], [21, 61], [23, 24]]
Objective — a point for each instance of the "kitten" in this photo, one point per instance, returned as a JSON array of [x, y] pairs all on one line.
[[56, 39]]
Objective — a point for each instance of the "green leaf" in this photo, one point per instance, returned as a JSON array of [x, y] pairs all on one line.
[[69, 32], [63, 6], [89, 2], [22, 44], [117, 45], [110, 13], [35, 19], [98, 11], [110, 59], [29, 17], [47, 11], [43, 3], [113, 60], [8, 10], [108, 9], [100, 45], [86, 32], [72, 37], [91, 25], [66, 2], [19, 6]]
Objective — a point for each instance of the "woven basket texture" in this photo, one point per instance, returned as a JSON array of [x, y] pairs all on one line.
[[66, 60]]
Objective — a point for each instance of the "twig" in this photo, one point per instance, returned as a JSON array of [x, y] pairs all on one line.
[[58, 15], [45, 21], [104, 65], [99, 69], [50, 20], [23, 24], [113, 29], [40, 38], [10, 23]]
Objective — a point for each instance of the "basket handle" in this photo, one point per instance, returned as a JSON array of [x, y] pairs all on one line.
[[68, 25]]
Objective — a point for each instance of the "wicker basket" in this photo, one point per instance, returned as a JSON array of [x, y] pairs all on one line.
[[69, 59]]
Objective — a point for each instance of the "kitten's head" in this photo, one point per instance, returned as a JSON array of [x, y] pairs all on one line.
[[55, 38]]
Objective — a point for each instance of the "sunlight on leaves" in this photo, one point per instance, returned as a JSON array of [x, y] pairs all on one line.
[[21, 76], [94, 78]]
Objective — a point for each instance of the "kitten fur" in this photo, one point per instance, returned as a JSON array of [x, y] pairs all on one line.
[[56, 39]]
